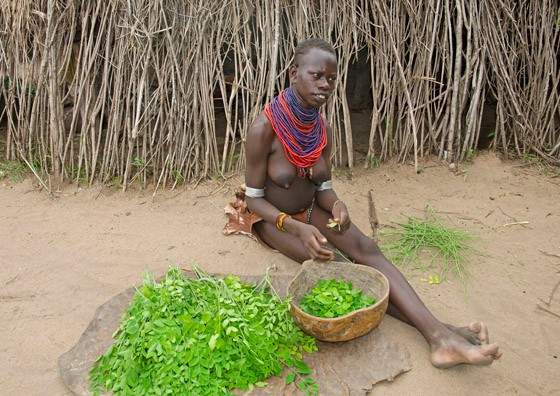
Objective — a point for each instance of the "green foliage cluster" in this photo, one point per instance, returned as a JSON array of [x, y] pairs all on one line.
[[333, 298], [202, 336]]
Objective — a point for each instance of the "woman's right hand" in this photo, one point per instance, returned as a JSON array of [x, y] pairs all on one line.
[[313, 240]]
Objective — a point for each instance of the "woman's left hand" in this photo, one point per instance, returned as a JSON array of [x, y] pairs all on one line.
[[340, 221]]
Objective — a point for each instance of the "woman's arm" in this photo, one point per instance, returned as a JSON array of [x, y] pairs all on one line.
[[258, 146], [327, 198]]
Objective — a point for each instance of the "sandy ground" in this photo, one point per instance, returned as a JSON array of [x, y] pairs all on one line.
[[60, 258]]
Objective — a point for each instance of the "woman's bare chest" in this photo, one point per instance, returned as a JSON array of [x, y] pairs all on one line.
[[283, 173]]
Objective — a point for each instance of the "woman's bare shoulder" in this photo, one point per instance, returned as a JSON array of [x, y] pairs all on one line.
[[261, 128], [261, 124]]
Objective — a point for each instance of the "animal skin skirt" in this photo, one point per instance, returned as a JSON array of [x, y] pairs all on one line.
[[241, 220]]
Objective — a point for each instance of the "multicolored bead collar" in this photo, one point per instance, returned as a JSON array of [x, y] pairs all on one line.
[[302, 131]]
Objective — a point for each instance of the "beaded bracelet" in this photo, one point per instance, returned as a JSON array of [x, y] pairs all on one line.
[[335, 203], [280, 221]]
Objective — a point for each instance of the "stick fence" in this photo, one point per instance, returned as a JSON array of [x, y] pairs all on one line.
[[163, 91]]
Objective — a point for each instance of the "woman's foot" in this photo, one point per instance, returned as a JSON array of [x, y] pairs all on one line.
[[451, 348], [476, 332]]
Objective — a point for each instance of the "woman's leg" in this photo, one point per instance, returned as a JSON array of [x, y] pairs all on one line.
[[447, 347]]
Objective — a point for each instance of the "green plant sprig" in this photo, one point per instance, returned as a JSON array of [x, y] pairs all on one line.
[[203, 336], [332, 298]]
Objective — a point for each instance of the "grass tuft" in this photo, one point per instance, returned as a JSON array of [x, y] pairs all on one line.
[[16, 171], [415, 239]]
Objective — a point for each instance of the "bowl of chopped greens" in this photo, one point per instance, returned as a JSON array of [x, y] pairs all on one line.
[[337, 301]]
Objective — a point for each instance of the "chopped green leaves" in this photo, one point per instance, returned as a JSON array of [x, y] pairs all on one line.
[[334, 224], [332, 298], [202, 336]]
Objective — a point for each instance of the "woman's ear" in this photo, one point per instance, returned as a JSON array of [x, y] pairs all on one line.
[[293, 73]]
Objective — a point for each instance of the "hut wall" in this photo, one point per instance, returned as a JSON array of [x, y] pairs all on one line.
[[163, 92]]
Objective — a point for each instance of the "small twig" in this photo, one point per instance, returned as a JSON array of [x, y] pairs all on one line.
[[505, 214], [100, 191], [216, 206], [37, 176], [213, 192], [516, 223], [220, 188], [552, 295], [549, 254], [532, 174], [458, 215], [179, 193], [16, 298], [547, 310]]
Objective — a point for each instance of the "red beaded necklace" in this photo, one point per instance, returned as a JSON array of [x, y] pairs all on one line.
[[302, 131]]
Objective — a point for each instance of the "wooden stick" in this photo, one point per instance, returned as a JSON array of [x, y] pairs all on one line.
[[373, 221]]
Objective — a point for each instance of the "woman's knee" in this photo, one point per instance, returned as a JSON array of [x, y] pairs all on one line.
[[368, 246], [367, 251]]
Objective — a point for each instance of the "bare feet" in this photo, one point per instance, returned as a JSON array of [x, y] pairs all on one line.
[[476, 332], [452, 348]]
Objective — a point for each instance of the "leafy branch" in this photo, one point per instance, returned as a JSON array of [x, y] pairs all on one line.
[[204, 336]]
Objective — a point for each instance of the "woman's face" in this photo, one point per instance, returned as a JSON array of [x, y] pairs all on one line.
[[314, 77]]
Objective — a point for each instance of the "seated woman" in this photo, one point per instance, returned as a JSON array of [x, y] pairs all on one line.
[[289, 188]]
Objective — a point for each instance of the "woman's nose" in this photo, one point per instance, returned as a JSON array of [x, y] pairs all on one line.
[[324, 83]]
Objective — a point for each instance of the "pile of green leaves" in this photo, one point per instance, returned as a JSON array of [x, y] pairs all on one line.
[[333, 298], [202, 336]]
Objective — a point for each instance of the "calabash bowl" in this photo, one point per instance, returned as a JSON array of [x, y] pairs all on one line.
[[352, 325]]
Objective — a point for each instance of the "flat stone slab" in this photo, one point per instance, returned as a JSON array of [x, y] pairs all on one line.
[[344, 368]]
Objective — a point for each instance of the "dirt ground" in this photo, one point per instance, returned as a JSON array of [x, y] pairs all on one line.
[[61, 258]]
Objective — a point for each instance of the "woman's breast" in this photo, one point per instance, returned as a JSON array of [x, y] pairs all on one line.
[[285, 189], [283, 173]]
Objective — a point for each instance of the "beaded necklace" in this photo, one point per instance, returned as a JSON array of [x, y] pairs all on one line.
[[302, 131]]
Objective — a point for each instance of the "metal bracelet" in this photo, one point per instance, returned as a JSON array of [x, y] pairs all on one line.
[[254, 192], [327, 185]]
